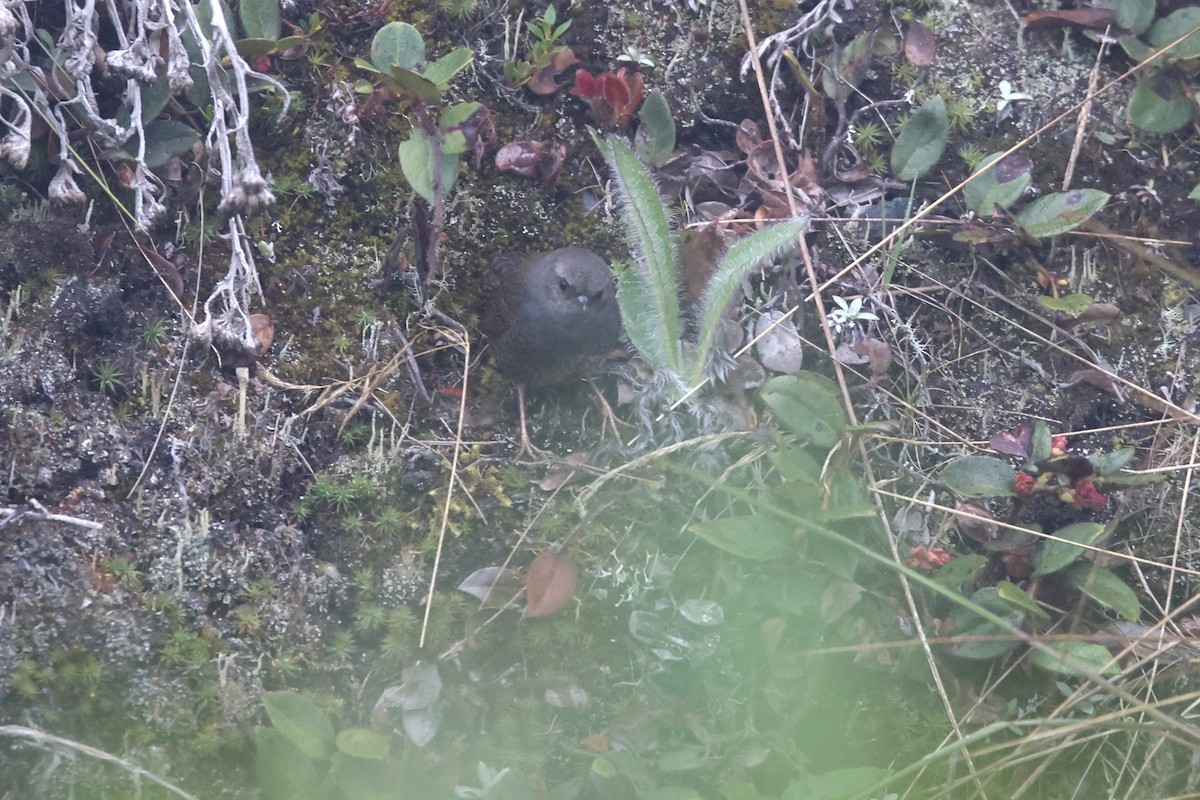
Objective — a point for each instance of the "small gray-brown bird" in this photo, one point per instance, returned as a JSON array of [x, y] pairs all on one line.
[[550, 318]]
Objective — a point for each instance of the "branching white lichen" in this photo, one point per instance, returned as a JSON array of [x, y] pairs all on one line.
[[771, 49], [151, 41]]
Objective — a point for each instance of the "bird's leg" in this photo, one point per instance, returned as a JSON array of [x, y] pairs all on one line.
[[606, 412], [527, 448]]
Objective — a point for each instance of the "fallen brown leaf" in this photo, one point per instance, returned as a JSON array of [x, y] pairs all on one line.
[[920, 45], [550, 584]]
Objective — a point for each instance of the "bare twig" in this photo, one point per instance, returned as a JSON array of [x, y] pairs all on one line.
[[13, 513], [50, 740]]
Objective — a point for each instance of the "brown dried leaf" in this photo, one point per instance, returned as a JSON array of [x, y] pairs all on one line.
[[263, 331], [700, 250], [533, 159], [747, 136], [1096, 18], [545, 80], [550, 584], [1096, 312], [878, 354], [981, 530], [920, 45]]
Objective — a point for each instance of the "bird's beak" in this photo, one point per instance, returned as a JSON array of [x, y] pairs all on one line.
[[582, 300]]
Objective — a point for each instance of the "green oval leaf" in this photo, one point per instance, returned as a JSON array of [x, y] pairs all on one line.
[[1110, 463], [808, 405], [441, 71], [990, 640], [420, 158], [166, 138], [655, 139], [1071, 304], [452, 124], [1010, 593], [397, 44], [1106, 589], [979, 476], [260, 18], [847, 782], [405, 81], [283, 772], [1075, 658], [1060, 212], [363, 743], [1132, 15], [1054, 555], [299, 719], [757, 538], [1001, 182], [1159, 104], [1171, 27], [920, 144]]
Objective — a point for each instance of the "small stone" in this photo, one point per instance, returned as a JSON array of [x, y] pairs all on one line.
[[779, 349]]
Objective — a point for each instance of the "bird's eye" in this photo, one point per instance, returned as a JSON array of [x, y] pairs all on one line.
[[597, 297], [564, 285]]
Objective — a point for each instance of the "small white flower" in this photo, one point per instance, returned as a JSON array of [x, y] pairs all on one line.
[[847, 313], [1008, 96]]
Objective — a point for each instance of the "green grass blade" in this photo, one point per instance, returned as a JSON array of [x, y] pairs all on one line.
[[737, 263], [649, 292]]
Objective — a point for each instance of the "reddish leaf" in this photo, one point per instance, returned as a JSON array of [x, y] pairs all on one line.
[[586, 86], [614, 91], [1013, 442], [550, 584], [1098, 18], [920, 45]]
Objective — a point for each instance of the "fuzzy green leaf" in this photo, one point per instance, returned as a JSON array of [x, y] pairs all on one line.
[[1132, 15], [1106, 589], [808, 405], [1112, 462], [1010, 593], [298, 718], [1075, 658], [166, 138], [960, 570], [648, 293], [982, 639], [979, 476], [920, 144], [454, 139], [1060, 212], [1054, 555], [737, 263], [406, 81], [757, 538]]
